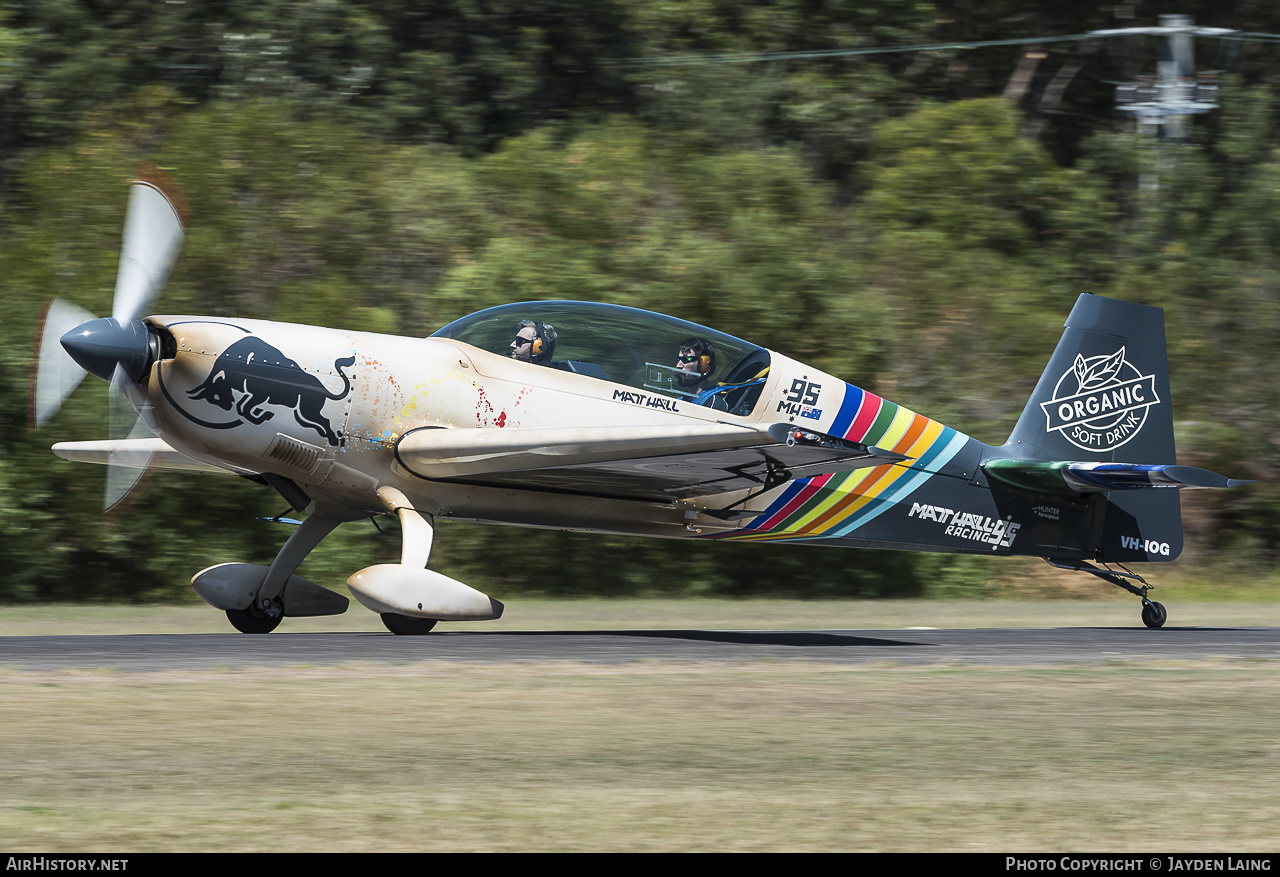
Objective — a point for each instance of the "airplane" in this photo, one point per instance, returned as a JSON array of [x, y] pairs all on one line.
[[607, 419]]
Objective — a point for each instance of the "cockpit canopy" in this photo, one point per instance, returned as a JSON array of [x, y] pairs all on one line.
[[628, 346]]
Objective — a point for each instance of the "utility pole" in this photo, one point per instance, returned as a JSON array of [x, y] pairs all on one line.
[[1164, 102]]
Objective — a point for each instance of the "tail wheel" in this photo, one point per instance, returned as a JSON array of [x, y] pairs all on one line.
[[403, 625], [1154, 614]]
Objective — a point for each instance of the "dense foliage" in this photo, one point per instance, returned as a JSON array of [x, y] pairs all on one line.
[[918, 223]]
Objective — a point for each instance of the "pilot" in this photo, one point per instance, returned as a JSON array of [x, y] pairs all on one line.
[[695, 363], [534, 342]]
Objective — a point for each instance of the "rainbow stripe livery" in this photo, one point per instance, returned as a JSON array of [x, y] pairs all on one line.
[[832, 506]]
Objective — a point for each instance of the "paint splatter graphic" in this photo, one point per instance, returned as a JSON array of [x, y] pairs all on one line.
[[489, 415]]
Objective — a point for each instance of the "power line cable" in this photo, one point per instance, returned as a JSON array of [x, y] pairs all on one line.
[[751, 57]]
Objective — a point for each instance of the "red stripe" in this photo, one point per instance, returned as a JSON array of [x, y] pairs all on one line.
[[798, 500], [866, 417], [849, 499], [877, 474]]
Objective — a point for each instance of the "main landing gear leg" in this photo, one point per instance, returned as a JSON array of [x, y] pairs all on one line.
[[1153, 614], [417, 533], [409, 597], [266, 611]]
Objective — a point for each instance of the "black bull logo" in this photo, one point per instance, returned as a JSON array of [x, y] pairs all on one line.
[[267, 377]]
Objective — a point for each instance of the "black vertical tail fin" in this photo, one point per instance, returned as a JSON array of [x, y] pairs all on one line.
[[1105, 393], [1104, 396]]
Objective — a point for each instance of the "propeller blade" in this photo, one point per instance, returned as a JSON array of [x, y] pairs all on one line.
[[55, 374], [126, 467], [152, 236]]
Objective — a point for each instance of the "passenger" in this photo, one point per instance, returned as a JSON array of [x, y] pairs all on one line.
[[534, 342], [695, 363]]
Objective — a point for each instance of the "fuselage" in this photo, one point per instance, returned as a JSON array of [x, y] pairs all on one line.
[[325, 408]]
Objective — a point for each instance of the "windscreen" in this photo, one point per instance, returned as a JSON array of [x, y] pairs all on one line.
[[627, 346]]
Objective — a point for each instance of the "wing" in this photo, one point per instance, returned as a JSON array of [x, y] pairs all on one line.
[[148, 453], [658, 463]]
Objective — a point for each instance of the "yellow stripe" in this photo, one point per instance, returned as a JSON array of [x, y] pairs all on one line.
[[894, 434], [933, 429], [927, 438], [764, 537], [886, 479], [839, 492], [897, 429]]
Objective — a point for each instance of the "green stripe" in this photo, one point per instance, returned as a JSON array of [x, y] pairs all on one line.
[[888, 411], [823, 493]]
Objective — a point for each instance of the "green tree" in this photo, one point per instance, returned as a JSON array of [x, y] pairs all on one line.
[[983, 243]]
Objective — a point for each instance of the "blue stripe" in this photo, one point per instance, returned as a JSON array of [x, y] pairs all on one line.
[[848, 410], [944, 441], [780, 502], [844, 419]]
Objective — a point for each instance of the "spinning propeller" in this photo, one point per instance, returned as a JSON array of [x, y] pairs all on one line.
[[121, 348]]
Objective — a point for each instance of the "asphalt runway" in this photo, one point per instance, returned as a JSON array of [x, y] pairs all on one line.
[[987, 647]]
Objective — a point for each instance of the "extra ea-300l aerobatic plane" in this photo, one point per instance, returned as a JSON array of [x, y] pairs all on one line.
[[608, 419]]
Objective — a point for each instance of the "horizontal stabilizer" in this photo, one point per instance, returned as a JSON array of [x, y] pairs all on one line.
[[1041, 476], [148, 453]]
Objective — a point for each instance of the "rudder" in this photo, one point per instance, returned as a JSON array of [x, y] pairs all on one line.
[[1104, 396]]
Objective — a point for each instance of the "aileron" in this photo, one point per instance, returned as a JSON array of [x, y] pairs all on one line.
[[660, 463]]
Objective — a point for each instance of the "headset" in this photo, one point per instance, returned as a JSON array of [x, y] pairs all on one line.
[[706, 354], [539, 339], [544, 340]]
